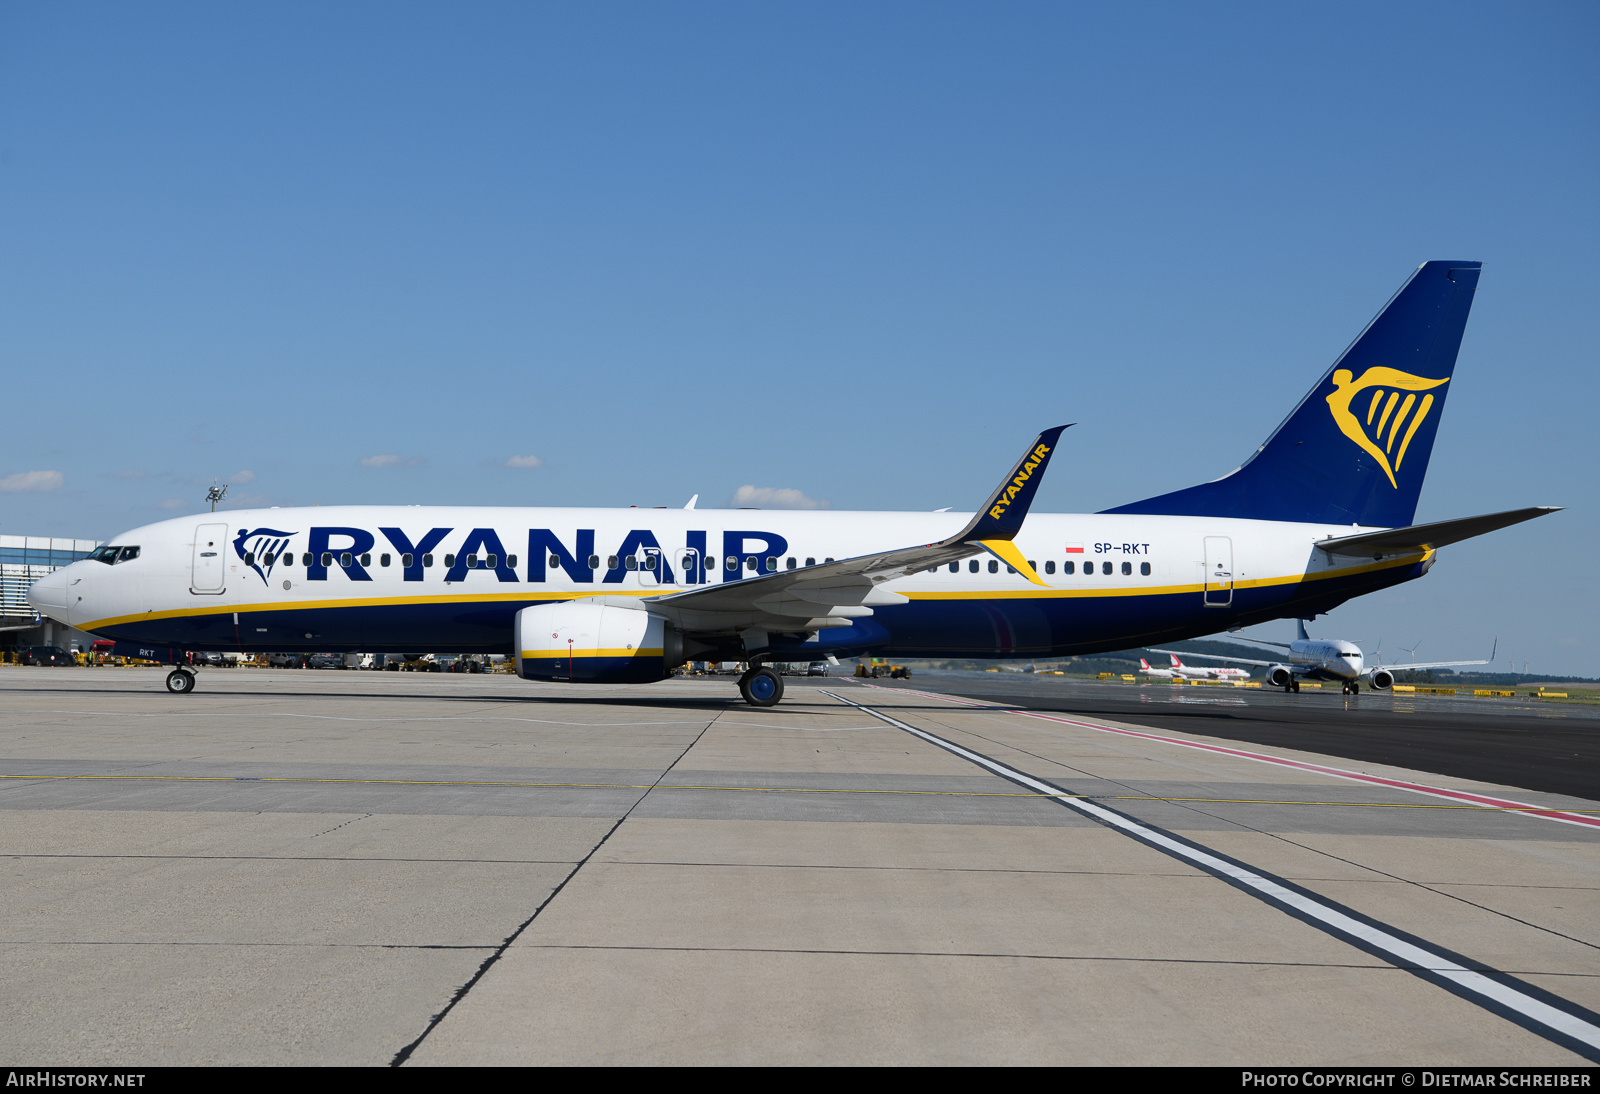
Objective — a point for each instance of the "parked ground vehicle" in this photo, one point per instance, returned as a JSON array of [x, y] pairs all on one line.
[[817, 668], [45, 655]]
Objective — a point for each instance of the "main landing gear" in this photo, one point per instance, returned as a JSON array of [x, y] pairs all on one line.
[[761, 687], [180, 682], [1292, 685]]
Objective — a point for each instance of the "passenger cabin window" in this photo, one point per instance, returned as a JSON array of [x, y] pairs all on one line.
[[249, 558], [405, 560], [1068, 567], [811, 562], [306, 559], [449, 560], [383, 560], [772, 565], [955, 567], [472, 562], [827, 560], [1127, 569], [994, 567], [266, 560], [1032, 565], [1144, 568], [972, 566], [286, 559], [1050, 567], [750, 563], [511, 561], [366, 560], [633, 562], [327, 558], [1105, 567], [1010, 569], [427, 562], [789, 564], [594, 562], [732, 562], [555, 562], [344, 559]]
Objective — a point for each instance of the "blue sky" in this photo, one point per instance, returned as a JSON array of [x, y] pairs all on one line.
[[855, 253]]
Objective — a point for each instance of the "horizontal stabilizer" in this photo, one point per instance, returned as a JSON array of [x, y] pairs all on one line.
[[1429, 536]]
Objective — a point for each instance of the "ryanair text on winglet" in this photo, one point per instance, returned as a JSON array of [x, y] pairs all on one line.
[[1030, 463]]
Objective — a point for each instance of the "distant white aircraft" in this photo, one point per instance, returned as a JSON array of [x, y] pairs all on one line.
[[1206, 672], [1160, 674], [1328, 659]]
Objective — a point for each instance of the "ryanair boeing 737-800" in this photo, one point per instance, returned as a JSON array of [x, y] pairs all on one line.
[[1318, 514]]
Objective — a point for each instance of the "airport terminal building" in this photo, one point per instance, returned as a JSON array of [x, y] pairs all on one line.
[[24, 560]]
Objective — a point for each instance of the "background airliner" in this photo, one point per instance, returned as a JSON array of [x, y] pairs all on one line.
[[1328, 659], [1205, 672], [1319, 513]]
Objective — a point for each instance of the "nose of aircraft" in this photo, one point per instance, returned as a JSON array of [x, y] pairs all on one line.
[[48, 595]]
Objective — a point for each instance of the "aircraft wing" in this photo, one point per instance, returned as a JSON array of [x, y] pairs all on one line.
[[1427, 536], [1420, 665], [1291, 660], [831, 594]]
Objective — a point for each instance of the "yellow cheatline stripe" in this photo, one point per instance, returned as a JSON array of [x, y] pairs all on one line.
[[493, 784], [1007, 552], [541, 596], [1090, 591], [531, 594], [578, 654]]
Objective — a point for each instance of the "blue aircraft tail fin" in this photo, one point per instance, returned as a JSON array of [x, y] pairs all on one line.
[[1356, 448]]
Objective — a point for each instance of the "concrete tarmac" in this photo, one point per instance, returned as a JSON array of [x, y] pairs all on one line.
[[368, 868]]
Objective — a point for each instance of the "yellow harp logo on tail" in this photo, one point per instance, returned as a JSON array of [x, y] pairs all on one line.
[[1381, 415]]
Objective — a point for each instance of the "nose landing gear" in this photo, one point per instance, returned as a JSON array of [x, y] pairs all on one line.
[[180, 682]]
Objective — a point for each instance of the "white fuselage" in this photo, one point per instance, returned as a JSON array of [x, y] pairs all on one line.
[[448, 579]]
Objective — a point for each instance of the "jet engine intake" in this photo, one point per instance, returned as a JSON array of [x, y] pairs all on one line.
[[1279, 676], [590, 643], [1382, 680]]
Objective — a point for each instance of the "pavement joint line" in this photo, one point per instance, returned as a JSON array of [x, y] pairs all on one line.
[[1544, 1013], [750, 789], [1482, 801], [461, 993], [1385, 967]]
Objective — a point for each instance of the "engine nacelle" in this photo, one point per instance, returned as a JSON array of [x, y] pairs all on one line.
[[1279, 676], [590, 643], [1382, 680]]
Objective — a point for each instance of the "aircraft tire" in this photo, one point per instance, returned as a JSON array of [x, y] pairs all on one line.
[[1355, 688], [1296, 686], [761, 688], [180, 682]]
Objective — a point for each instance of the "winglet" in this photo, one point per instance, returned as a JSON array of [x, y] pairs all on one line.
[[1002, 515]]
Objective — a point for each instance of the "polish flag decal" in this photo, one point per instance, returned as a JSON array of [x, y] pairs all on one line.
[[1074, 548]]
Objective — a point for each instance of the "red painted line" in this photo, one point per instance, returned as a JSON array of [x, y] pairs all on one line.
[[1468, 797]]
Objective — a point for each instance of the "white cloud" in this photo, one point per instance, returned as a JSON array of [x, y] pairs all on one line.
[[31, 482], [524, 461], [389, 459], [241, 478], [773, 497]]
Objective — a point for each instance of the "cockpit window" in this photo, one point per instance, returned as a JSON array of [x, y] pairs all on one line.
[[112, 555]]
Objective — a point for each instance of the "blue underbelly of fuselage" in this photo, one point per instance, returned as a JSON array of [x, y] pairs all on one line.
[[998, 627]]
